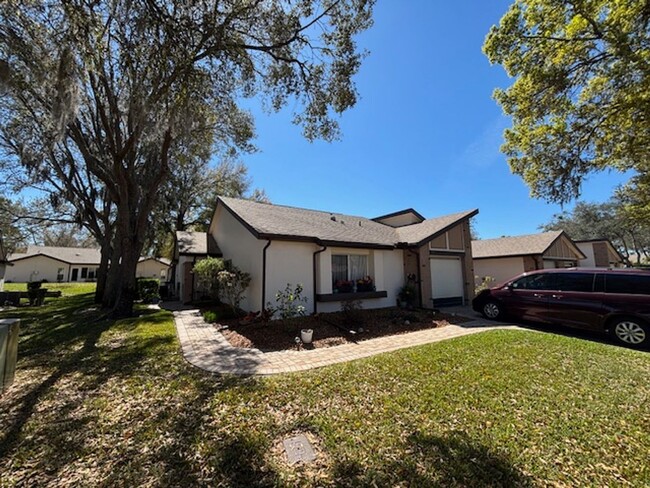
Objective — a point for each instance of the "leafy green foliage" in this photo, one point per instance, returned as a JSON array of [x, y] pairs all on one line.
[[148, 290], [289, 302], [232, 285], [580, 101], [207, 273]]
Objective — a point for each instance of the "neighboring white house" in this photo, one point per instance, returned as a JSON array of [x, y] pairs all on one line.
[[151, 267], [506, 257], [281, 245], [54, 264], [71, 264], [600, 253]]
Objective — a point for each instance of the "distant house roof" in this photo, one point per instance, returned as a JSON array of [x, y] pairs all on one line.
[[526, 245], [68, 255], [267, 221], [196, 243], [164, 261]]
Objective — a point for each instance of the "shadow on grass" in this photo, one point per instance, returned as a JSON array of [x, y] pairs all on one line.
[[61, 345], [453, 460]]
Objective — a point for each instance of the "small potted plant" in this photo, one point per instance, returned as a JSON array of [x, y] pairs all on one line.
[[365, 284], [406, 295], [343, 286]]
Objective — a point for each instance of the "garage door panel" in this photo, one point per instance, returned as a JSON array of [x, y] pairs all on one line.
[[446, 280]]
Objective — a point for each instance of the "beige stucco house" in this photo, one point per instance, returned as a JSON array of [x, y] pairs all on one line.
[[70, 264], [278, 245], [152, 267], [507, 257], [599, 253]]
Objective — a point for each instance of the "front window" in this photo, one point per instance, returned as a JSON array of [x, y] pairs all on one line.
[[84, 273], [347, 269]]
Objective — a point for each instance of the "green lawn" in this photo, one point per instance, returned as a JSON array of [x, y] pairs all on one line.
[[114, 404], [67, 289]]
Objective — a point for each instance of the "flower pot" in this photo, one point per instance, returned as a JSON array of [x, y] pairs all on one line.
[[306, 335]]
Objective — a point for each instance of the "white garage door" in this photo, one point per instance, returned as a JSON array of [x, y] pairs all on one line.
[[446, 281]]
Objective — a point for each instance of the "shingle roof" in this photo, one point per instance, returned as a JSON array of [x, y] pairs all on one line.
[[267, 220], [196, 243], [514, 246], [70, 255], [416, 233], [164, 261]]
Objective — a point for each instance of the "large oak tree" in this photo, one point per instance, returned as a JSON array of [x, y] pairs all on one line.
[[580, 100], [118, 87]]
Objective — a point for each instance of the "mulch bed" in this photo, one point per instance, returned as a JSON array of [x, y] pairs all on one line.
[[332, 329]]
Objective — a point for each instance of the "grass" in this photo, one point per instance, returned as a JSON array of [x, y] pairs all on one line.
[[67, 289], [105, 404]]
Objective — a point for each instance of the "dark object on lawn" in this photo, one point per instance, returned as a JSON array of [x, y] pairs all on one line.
[[35, 293]]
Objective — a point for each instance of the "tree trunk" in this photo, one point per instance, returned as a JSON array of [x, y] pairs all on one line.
[[102, 271], [112, 278]]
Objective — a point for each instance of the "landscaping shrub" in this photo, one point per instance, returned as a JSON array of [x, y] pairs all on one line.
[[207, 274], [149, 290], [352, 311], [289, 302], [232, 284]]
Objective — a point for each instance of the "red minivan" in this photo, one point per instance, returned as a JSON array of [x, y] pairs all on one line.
[[612, 300]]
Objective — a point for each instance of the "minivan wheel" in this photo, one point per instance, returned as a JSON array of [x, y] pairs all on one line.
[[631, 332], [492, 310]]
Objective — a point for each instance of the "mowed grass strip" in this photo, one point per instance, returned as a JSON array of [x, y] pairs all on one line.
[[99, 403]]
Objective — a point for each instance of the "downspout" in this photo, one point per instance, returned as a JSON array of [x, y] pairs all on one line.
[[314, 273], [419, 276], [264, 273]]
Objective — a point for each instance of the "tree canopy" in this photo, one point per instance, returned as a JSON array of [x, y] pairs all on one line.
[[106, 94], [580, 101]]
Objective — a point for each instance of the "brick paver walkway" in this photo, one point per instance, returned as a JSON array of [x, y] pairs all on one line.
[[206, 348]]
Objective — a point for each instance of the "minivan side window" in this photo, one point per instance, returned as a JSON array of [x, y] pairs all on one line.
[[575, 282], [543, 281], [627, 283]]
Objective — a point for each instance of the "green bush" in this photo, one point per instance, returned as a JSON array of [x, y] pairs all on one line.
[[207, 274], [149, 290], [224, 312]]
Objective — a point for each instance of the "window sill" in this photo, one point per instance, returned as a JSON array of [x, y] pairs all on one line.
[[360, 295]]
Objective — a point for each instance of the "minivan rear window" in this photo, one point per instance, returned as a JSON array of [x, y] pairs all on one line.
[[627, 283]]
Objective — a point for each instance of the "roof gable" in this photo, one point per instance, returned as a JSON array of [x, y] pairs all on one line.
[[401, 218], [526, 245], [196, 243]]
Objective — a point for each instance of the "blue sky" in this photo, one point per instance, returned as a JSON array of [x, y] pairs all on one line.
[[425, 133]]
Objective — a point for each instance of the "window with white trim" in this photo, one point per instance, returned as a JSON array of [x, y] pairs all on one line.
[[348, 268]]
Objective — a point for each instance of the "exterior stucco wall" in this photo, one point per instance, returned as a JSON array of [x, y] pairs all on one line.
[[37, 268], [501, 269], [150, 268], [245, 251], [587, 249], [289, 263]]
